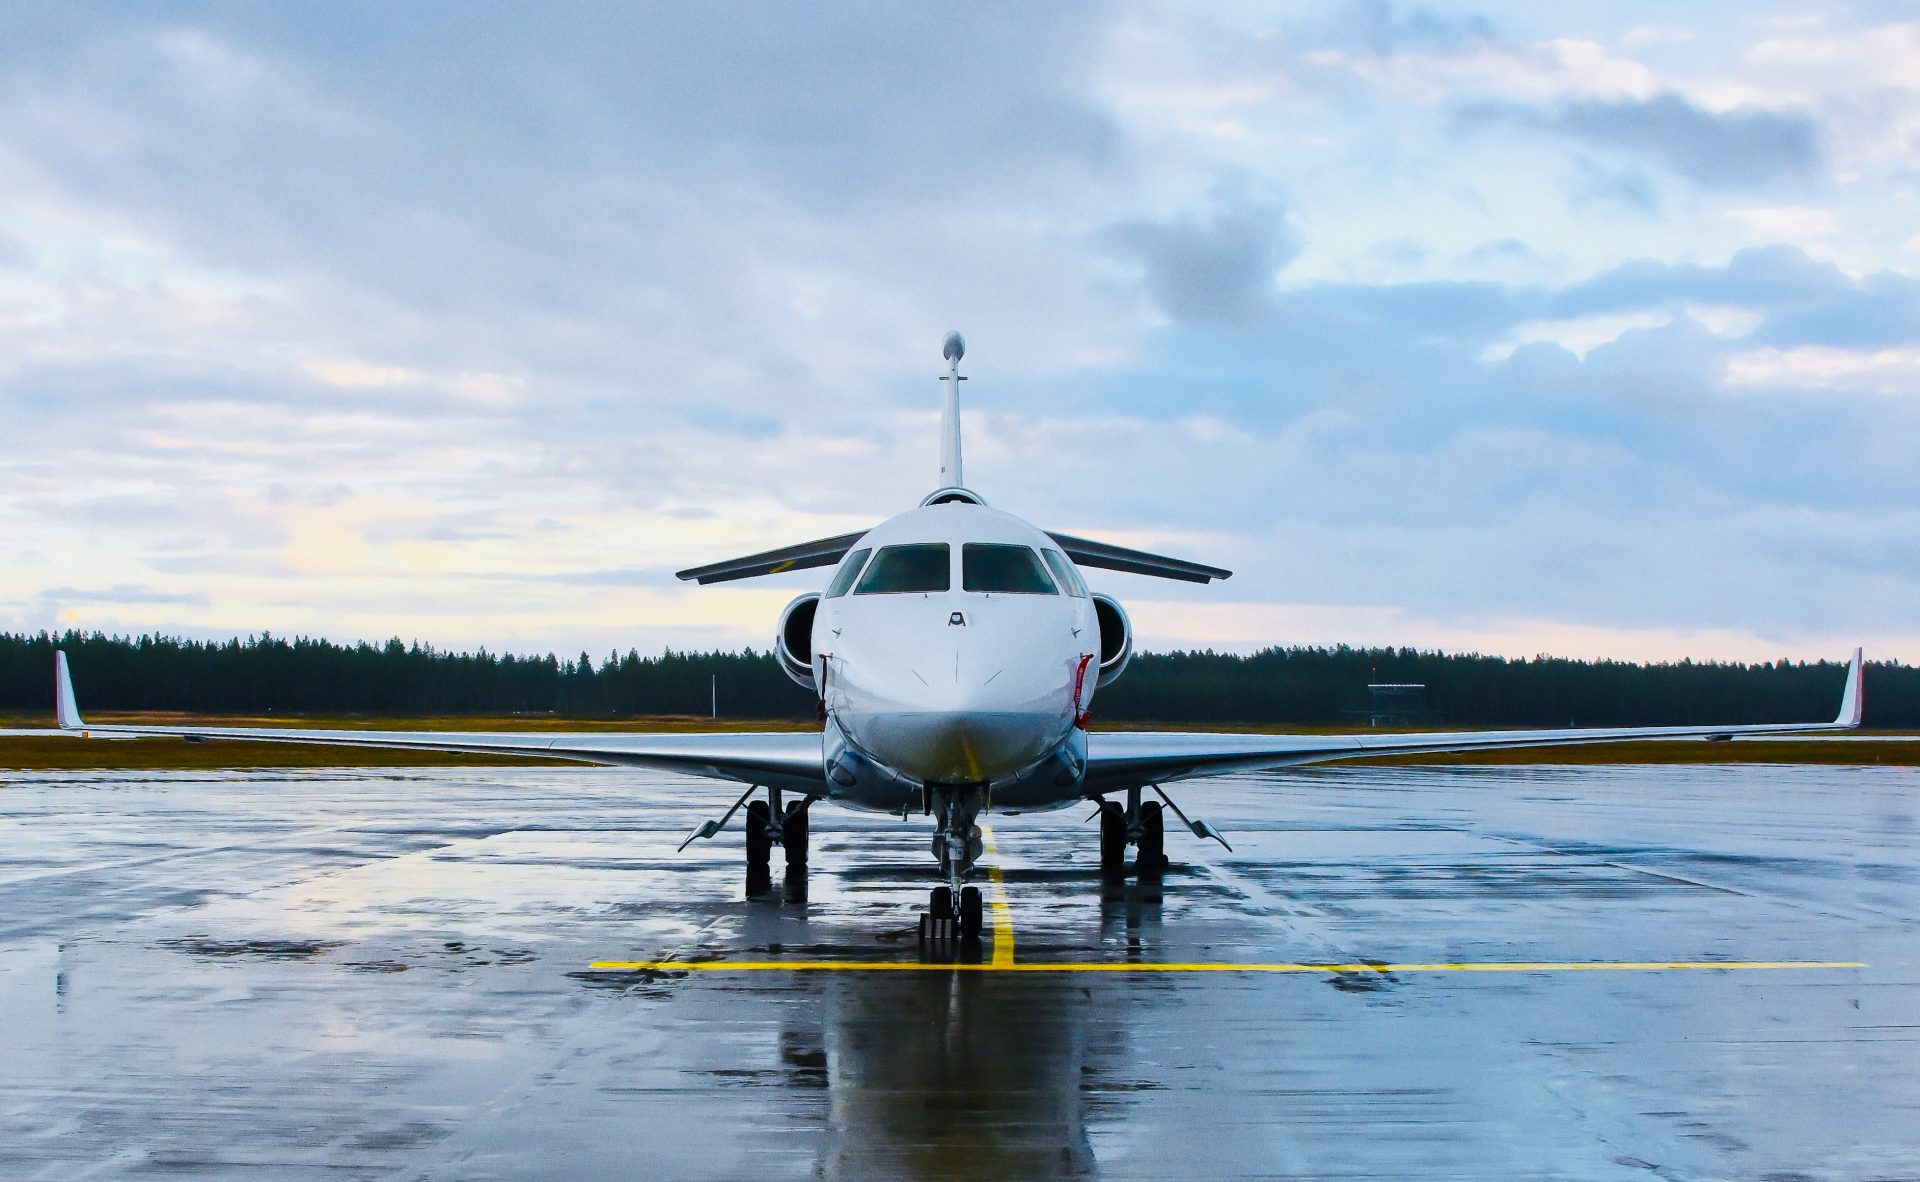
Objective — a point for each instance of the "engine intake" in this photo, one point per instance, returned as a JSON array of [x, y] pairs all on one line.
[[1116, 637], [793, 639]]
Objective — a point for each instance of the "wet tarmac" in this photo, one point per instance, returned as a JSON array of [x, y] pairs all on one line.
[[353, 975]]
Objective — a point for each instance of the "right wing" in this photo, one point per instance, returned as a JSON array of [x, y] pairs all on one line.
[[1087, 552], [783, 760], [1135, 759]]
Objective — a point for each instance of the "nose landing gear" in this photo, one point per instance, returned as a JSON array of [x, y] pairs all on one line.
[[944, 922], [954, 912]]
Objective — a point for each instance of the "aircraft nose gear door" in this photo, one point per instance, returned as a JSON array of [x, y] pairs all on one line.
[[955, 910]]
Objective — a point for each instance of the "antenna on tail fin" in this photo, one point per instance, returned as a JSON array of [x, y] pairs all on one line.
[[953, 349]]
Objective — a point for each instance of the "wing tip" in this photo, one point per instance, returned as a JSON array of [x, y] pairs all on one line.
[[1853, 700], [66, 711]]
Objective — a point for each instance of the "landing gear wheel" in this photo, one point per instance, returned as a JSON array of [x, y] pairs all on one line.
[[1153, 838], [970, 913], [1113, 837], [759, 845], [938, 927], [793, 835]]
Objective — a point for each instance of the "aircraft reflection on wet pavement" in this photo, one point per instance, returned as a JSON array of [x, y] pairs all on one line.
[[1000, 1076], [388, 974], [955, 654]]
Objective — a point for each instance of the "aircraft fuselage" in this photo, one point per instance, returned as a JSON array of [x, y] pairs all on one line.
[[982, 681]]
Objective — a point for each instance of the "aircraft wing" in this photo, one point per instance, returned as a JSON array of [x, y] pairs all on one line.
[[803, 556], [1134, 759], [783, 760], [1087, 552]]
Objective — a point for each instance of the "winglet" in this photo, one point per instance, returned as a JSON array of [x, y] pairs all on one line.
[[65, 711], [1852, 701]]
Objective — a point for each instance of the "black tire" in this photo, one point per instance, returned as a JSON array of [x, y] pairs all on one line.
[[1153, 837], [793, 835], [940, 903], [970, 913], [1113, 837], [759, 845]]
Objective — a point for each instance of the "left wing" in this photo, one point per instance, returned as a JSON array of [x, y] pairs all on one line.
[[783, 760], [1136, 759], [803, 556]]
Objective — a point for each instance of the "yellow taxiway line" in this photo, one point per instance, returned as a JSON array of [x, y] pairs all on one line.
[[1002, 909], [1003, 962], [1009, 966]]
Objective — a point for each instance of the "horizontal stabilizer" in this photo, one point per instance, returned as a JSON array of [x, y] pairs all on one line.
[[1086, 552], [805, 556]]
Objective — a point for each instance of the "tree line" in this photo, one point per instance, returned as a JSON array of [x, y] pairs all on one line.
[[1299, 685]]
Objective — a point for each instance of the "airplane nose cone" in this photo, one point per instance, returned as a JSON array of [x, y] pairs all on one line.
[[943, 746], [950, 717]]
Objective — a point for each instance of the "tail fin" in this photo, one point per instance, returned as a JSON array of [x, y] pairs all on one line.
[[65, 711], [953, 349]]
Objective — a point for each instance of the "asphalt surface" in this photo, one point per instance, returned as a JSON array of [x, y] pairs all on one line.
[[352, 975]]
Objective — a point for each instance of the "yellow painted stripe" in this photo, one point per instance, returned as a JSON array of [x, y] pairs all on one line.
[[966, 750], [996, 966], [1002, 908]]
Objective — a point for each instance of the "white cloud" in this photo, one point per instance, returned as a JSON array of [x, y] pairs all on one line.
[[1724, 321], [481, 350], [1536, 73], [1884, 56], [482, 389], [1789, 223], [1867, 371], [1578, 335], [1642, 36]]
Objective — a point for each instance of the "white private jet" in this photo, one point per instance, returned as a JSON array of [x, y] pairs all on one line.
[[955, 655]]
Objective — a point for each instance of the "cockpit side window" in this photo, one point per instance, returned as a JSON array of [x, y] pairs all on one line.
[[922, 568], [1003, 569], [848, 572], [1064, 573]]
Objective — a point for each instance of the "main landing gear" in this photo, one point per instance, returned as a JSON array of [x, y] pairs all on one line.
[[789, 832], [1140, 824], [1143, 825]]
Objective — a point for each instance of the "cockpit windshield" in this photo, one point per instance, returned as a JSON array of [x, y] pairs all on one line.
[[1003, 569], [849, 571], [921, 568], [1064, 574]]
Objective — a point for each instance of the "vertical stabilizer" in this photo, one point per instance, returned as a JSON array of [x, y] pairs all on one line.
[[66, 712], [953, 350]]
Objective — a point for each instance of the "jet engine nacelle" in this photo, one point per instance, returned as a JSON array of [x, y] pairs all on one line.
[[793, 638], [1116, 637]]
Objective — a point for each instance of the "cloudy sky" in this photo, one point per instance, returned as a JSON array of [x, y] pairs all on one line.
[[1494, 327]]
